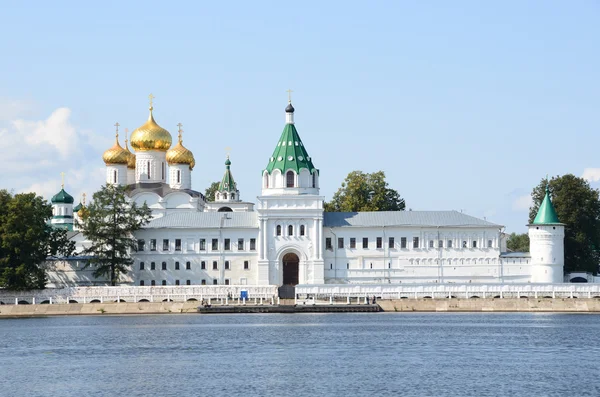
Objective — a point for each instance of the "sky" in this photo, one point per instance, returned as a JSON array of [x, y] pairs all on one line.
[[465, 105]]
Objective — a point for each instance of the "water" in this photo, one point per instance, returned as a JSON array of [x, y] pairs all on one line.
[[358, 354]]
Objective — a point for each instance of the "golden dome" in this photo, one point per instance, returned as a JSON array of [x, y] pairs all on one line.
[[180, 154], [116, 154], [131, 161], [151, 136]]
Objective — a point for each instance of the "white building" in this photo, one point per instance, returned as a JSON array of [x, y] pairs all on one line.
[[288, 239]]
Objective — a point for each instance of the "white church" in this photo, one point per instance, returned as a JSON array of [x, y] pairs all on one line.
[[286, 238]]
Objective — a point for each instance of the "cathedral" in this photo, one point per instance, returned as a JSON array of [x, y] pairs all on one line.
[[285, 238]]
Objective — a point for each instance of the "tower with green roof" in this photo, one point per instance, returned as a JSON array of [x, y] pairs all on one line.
[[227, 191], [62, 210], [290, 214], [546, 244]]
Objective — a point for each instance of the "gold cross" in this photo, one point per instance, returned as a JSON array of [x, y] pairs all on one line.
[[62, 177], [227, 150], [151, 97], [117, 125], [289, 91], [83, 199], [179, 130]]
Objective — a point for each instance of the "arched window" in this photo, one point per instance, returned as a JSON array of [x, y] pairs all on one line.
[[278, 230], [163, 171], [290, 179], [225, 196], [302, 230], [232, 196], [148, 170], [178, 176], [314, 179], [115, 176], [290, 230], [266, 182]]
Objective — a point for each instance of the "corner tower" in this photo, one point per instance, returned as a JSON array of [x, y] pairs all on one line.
[[290, 215], [546, 244], [62, 209]]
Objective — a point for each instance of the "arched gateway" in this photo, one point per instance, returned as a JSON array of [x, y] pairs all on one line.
[[291, 264]]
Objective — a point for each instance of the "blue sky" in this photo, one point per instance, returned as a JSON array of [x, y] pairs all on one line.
[[465, 105]]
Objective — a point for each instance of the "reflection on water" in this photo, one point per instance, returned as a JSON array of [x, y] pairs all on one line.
[[467, 354]]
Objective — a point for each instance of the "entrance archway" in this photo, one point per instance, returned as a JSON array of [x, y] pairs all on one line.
[[291, 263]]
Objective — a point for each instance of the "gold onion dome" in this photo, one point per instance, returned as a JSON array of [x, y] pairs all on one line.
[[116, 154], [179, 154], [151, 136], [131, 161]]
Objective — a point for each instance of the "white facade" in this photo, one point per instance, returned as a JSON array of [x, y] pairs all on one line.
[[289, 239]]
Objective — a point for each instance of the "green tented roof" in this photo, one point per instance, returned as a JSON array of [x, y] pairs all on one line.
[[77, 207], [62, 197], [546, 213], [290, 153], [227, 183]]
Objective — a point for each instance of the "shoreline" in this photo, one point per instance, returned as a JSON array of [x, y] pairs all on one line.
[[454, 305]]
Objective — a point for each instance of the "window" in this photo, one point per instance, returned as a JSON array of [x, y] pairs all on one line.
[[203, 265], [226, 281], [403, 242], [391, 242], [302, 230], [215, 282], [278, 230], [152, 282], [246, 265], [227, 265], [178, 176], [490, 244], [352, 242], [290, 230], [252, 244], [141, 265], [141, 283], [379, 242], [148, 169], [449, 244], [115, 177], [202, 244], [314, 179], [340, 242], [430, 243], [215, 267], [164, 265], [328, 243], [464, 244], [474, 243], [165, 244], [227, 244], [176, 265], [140, 244], [289, 179], [153, 244], [188, 266], [441, 244], [163, 171], [164, 282], [415, 242], [188, 282], [152, 266], [240, 244], [176, 282], [215, 244], [177, 244], [203, 282], [365, 242]]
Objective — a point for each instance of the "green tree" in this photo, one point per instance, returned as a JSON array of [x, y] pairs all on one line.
[[110, 225], [210, 191], [517, 242], [365, 192], [27, 240], [578, 207]]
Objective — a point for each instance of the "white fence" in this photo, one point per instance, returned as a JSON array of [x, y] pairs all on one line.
[[137, 294], [445, 291]]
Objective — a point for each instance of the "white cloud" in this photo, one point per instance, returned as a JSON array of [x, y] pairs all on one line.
[[56, 131], [591, 174], [522, 203]]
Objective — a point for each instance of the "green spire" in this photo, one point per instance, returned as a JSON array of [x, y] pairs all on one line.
[[290, 153], [227, 183], [62, 197], [546, 213]]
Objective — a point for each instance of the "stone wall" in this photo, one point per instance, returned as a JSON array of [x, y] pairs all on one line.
[[491, 305]]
